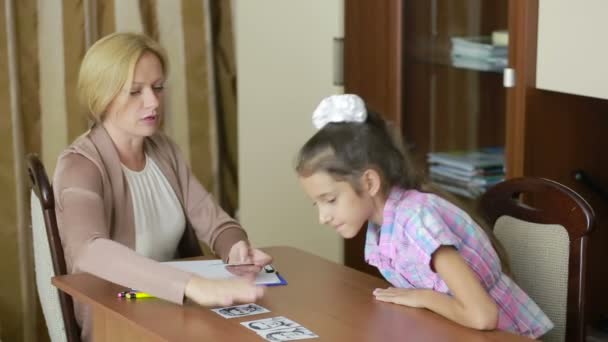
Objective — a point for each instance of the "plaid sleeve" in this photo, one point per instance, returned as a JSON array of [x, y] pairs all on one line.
[[429, 230]]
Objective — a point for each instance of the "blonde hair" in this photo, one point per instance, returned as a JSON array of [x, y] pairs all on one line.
[[108, 66]]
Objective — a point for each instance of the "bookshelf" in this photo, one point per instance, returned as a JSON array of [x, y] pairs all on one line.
[[446, 107], [397, 57]]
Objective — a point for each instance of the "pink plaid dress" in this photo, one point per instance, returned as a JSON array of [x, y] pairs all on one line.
[[415, 224]]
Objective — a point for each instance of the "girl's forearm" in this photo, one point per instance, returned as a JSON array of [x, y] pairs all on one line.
[[454, 310]]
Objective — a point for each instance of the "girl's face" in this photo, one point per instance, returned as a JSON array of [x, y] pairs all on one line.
[[136, 110], [338, 204]]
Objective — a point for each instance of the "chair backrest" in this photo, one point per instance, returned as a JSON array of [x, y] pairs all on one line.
[[544, 228], [49, 259]]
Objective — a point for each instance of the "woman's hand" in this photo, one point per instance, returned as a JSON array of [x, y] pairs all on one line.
[[242, 253], [251, 260], [222, 292], [407, 297]]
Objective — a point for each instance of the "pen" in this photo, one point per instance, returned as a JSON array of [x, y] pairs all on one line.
[[123, 294], [134, 295], [243, 264]]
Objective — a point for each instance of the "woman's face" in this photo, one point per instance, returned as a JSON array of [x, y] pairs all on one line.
[[136, 111]]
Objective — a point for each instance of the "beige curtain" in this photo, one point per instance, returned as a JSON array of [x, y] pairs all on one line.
[[41, 45]]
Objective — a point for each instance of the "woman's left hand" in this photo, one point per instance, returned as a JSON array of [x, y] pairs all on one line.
[[242, 253], [407, 297]]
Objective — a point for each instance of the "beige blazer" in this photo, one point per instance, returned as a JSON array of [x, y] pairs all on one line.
[[96, 224]]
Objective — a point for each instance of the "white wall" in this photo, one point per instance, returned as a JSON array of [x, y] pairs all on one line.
[[284, 52], [572, 50]]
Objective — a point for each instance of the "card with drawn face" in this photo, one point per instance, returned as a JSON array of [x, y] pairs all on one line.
[[290, 334], [240, 310], [270, 324]]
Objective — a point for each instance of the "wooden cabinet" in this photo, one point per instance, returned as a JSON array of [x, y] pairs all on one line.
[[396, 58], [573, 60]]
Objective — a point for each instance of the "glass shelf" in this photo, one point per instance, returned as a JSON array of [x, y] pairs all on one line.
[[451, 103]]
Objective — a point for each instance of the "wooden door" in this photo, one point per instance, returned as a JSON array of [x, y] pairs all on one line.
[[372, 70]]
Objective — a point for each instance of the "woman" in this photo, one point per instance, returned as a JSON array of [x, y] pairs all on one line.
[[125, 194]]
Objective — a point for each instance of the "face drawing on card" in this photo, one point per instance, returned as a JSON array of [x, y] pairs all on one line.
[[267, 325], [271, 324], [241, 310], [299, 333]]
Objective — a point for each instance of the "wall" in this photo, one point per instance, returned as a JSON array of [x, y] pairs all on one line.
[[284, 67]]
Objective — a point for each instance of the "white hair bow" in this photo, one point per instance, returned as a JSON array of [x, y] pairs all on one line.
[[339, 108]]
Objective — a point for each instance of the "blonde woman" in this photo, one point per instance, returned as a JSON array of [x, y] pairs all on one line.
[[126, 198]]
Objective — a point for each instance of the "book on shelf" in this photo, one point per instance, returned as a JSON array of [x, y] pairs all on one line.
[[487, 181], [482, 64], [446, 170], [468, 160], [467, 173], [500, 37], [448, 180], [477, 47], [478, 53], [476, 180], [465, 192]]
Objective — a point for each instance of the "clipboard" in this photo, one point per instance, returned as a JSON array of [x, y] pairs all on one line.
[[216, 269]]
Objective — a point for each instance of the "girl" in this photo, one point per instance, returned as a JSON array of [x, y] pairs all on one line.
[[433, 253]]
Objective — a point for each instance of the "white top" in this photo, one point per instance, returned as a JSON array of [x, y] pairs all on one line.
[[158, 215]]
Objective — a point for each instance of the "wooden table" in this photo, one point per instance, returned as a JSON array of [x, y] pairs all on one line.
[[332, 300]]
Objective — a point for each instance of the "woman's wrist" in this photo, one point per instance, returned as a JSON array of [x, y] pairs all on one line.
[[193, 285], [240, 253], [227, 238], [188, 288]]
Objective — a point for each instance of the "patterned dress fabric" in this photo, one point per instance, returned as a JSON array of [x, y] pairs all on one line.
[[415, 224]]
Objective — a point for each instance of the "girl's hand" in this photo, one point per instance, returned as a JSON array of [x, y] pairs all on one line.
[[470, 304], [407, 297], [222, 292], [242, 253]]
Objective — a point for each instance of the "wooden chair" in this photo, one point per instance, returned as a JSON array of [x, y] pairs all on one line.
[[48, 256], [546, 242]]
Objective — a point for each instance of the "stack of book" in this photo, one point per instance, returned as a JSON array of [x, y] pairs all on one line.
[[479, 53], [467, 173]]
